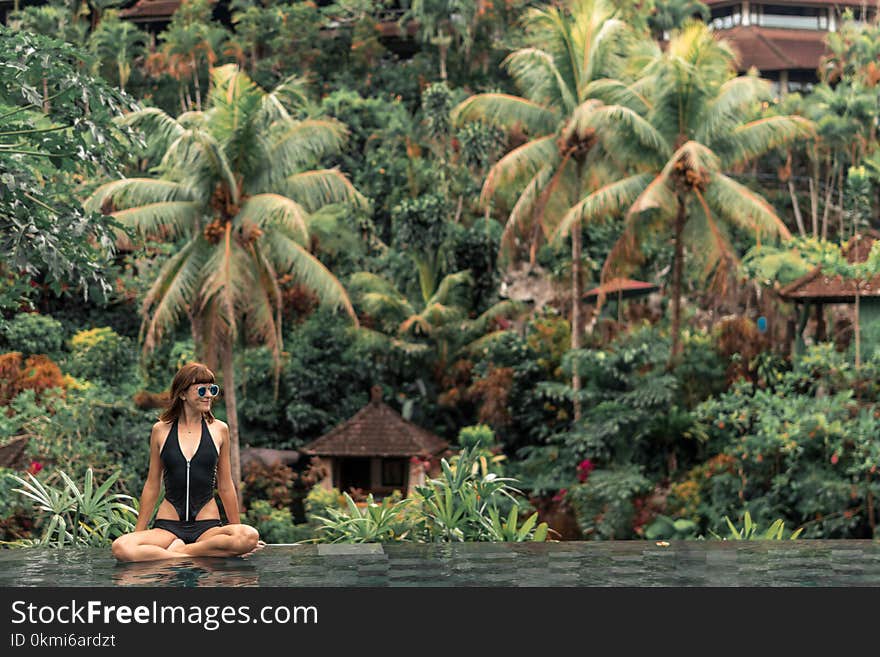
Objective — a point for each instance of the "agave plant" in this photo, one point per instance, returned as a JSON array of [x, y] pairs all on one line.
[[463, 504], [749, 531], [372, 523], [88, 516], [511, 531]]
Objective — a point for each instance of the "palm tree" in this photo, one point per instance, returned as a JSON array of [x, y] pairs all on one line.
[[575, 140], [694, 100], [671, 15], [235, 186], [442, 322], [118, 41]]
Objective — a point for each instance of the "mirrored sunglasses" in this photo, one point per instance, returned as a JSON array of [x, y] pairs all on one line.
[[212, 389]]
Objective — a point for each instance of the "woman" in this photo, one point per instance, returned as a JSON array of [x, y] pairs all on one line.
[[191, 448]]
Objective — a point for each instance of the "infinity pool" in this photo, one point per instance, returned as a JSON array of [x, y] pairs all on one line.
[[568, 563]]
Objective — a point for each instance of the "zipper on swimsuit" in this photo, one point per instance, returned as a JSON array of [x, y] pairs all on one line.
[[187, 491]]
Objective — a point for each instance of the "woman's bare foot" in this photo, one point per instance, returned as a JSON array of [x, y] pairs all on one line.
[[177, 545], [260, 546]]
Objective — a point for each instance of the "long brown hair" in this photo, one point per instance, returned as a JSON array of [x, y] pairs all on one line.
[[185, 377]]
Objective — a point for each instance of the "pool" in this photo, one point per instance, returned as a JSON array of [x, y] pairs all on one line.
[[567, 563]]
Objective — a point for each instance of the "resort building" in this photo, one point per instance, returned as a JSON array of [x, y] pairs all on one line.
[[783, 39]]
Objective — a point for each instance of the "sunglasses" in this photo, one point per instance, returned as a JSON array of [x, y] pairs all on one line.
[[212, 389]]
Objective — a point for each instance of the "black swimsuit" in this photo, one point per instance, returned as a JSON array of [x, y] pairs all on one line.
[[189, 485]]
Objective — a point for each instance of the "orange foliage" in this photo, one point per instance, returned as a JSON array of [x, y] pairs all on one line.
[[37, 373], [740, 336], [147, 400], [297, 301], [493, 390]]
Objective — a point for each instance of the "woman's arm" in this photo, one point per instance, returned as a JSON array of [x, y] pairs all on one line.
[[225, 485], [153, 484]]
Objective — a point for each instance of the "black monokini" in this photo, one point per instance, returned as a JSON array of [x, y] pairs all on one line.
[[189, 485]]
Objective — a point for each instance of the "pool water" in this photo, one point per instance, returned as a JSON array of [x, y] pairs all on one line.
[[567, 563]]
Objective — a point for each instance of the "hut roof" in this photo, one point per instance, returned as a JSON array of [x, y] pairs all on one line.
[[624, 286], [377, 430], [819, 287], [147, 10]]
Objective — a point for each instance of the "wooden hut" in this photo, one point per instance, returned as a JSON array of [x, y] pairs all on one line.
[[817, 289], [377, 451]]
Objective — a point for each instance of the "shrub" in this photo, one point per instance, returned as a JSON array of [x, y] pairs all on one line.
[[276, 525], [101, 353], [32, 333], [38, 373], [604, 503], [320, 499], [465, 503], [273, 484]]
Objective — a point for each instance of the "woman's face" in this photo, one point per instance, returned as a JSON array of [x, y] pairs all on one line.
[[203, 401]]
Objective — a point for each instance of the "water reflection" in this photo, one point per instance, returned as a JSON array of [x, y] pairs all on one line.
[[191, 572]]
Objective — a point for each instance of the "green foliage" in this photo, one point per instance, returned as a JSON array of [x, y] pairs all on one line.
[[101, 353], [664, 527], [632, 411], [858, 195], [437, 104], [479, 436], [320, 499], [276, 525], [371, 523], [604, 505], [325, 379], [749, 531], [86, 427], [798, 450], [57, 126], [464, 503], [90, 515], [32, 333], [420, 224], [481, 144]]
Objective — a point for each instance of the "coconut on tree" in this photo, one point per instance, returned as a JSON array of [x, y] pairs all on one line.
[[693, 98], [234, 188]]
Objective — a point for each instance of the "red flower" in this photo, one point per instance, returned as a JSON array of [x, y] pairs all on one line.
[[560, 496], [834, 458], [36, 466], [584, 469]]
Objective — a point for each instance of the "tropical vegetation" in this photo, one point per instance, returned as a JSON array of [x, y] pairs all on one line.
[[562, 237]]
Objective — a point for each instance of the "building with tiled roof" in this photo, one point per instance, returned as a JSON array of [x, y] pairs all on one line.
[[377, 451], [818, 289], [783, 39], [620, 288]]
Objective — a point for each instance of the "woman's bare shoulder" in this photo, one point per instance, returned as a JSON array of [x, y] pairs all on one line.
[[160, 430]]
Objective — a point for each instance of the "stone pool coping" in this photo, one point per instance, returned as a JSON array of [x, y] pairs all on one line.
[[801, 562]]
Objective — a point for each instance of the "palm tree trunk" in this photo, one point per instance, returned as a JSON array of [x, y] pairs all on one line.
[[677, 266], [443, 62], [576, 299], [814, 203], [197, 330], [197, 83], [829, 191], [797, 209], [232, 414]]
